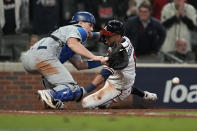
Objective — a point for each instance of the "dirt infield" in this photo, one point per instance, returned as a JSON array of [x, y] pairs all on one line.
[[123, 108], [172, 113]]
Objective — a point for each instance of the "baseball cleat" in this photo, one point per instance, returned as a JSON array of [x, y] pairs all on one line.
[[46, 98], [58, 104], [149, 96], [49, 101]]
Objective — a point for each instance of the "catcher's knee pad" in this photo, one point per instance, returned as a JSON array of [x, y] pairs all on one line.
[[66, 94], [78, 94]]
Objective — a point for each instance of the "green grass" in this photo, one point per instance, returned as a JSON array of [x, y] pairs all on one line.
[[94, 123]]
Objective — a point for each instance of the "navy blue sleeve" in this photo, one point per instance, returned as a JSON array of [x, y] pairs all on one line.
[[105, 73]]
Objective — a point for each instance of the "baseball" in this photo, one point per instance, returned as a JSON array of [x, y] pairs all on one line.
[[106, 58], [175, 80]]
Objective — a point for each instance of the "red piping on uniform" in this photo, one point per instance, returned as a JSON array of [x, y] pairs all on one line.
[[107, 33], [107, 68]]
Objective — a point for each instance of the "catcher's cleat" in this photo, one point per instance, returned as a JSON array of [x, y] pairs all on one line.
[[49, 101], [58, 104], [46, 106], [151, 97]]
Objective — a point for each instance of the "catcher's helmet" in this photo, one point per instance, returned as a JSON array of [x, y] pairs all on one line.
[[113, 27], [83, 16]]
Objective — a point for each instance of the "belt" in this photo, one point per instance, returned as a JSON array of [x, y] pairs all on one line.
[[58, 40], [41, 47]]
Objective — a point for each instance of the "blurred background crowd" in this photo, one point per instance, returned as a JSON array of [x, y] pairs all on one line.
[[162, 31]]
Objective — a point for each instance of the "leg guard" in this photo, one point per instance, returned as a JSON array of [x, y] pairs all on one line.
[[64, 93], [78, 93]]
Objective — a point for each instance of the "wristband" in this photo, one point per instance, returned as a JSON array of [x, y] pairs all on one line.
[[89, 88], [105, 73], [93, 64]]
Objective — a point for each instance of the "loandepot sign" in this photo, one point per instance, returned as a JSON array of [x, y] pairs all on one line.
[[158, 80], [179, 93]]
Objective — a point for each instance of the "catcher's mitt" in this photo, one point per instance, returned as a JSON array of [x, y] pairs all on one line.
[[118, 58]]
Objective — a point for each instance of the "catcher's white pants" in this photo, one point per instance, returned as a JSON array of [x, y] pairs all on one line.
[[105, 96]]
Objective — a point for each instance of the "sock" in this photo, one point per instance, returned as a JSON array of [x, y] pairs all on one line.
[[89, 88], [137, 92]]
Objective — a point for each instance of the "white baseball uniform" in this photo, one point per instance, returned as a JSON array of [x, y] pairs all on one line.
[[118, 86]]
